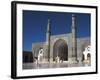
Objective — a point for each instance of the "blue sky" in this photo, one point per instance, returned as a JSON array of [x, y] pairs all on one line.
[[35, 25]]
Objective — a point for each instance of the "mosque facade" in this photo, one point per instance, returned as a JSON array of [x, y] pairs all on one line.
[[63, 47]]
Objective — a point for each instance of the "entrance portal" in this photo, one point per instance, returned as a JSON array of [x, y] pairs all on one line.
[[60, 49]]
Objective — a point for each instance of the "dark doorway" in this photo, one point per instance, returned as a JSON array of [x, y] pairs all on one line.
[[60, 49], [88, 56]]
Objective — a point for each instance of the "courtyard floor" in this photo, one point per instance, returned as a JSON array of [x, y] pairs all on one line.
[[52, 65]]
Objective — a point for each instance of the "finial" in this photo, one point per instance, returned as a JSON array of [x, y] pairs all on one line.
[[73, 15]]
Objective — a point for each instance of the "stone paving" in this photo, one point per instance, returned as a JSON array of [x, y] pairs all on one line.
[[52, 65]]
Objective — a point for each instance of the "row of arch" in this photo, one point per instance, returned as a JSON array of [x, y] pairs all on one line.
[[60, 49]]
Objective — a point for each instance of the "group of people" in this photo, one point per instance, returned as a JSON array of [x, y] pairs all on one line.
[[58, 60]]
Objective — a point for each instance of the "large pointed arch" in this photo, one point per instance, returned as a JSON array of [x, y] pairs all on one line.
[[60, 49]]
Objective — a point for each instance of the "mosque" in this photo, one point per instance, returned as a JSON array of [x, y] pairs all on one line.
[[61, 48]]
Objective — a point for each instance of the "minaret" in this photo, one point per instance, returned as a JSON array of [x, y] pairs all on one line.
[[48, 33], [74, 40]]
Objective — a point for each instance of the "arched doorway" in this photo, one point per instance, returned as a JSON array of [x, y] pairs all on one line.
[[36, 52], [60, 49], [88, 56]]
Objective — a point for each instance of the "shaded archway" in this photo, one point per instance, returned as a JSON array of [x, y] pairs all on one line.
[[36, 51], [60, 49], [88, 56]]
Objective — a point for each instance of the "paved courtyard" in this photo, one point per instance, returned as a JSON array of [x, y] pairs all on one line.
[[51, 65]]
